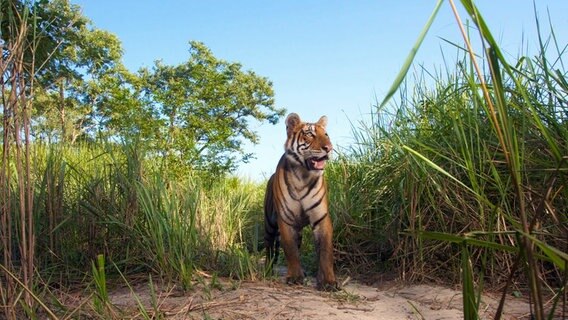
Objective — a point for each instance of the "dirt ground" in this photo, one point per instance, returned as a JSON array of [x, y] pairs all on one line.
[[225, 299]]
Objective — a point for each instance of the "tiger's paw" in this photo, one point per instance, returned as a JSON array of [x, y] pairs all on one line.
[[295, 280], [328, 286]]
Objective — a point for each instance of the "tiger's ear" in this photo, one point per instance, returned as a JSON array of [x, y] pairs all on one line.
[[292, 121], [322, 121]]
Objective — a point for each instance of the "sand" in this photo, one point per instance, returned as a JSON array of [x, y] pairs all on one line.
[[226, 299]]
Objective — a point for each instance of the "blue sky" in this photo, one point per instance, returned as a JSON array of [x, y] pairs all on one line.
[[324, 57]]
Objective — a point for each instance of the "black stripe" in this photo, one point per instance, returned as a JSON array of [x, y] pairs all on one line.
[[296, 175], [319, 220], [314, 205], [286, 211], [288, 188], [297, 139], [323, 187], [297, 147], [310, 188], [290, 224], [294, 155], [286, 165], [286, 214]]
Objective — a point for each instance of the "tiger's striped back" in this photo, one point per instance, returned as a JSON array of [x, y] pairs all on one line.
[[296, 196]]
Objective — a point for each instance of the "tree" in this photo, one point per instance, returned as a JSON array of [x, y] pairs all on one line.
[[71, 58], [197, 113], [204, 108]]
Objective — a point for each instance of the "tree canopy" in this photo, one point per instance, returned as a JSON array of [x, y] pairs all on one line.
[[204, 106], [197, 113]]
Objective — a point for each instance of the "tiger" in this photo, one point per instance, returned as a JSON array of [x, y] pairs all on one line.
[[296, 196]]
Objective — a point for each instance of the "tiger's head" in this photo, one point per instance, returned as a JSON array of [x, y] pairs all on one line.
[[308, 143]]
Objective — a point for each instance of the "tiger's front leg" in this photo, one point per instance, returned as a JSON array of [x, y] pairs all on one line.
[[290, 242], [323, 234]]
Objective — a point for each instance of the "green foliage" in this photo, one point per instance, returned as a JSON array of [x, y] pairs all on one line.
[[52, 38], [160, 201], [364, 220], [473, 157], [29, 312], [197, 114], [168, 230], [366, 196], [93, 202], [205, 105], [73, 61], [101, 298]]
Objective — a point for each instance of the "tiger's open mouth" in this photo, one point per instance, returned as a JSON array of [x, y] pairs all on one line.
[[317, 163]]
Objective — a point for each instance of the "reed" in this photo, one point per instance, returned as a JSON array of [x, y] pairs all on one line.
[[17, 225], [470, 163], [113, 201]]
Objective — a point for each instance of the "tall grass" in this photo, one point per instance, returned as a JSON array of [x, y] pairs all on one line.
[[115, 202], [471, 165], [17, 229], [64, 206], [187, 225]]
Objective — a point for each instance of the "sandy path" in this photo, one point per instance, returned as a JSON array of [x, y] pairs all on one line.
[[275, 300]]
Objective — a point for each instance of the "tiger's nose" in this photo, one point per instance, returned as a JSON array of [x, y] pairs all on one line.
[[327, 148]]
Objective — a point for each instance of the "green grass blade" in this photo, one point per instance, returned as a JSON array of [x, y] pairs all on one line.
[[408, 62], [559, 258], [468, 290], [437, 168], [50, 313], [452, 238], [141, 307]]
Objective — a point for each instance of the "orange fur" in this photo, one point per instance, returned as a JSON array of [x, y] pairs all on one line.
[[296, 196]]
